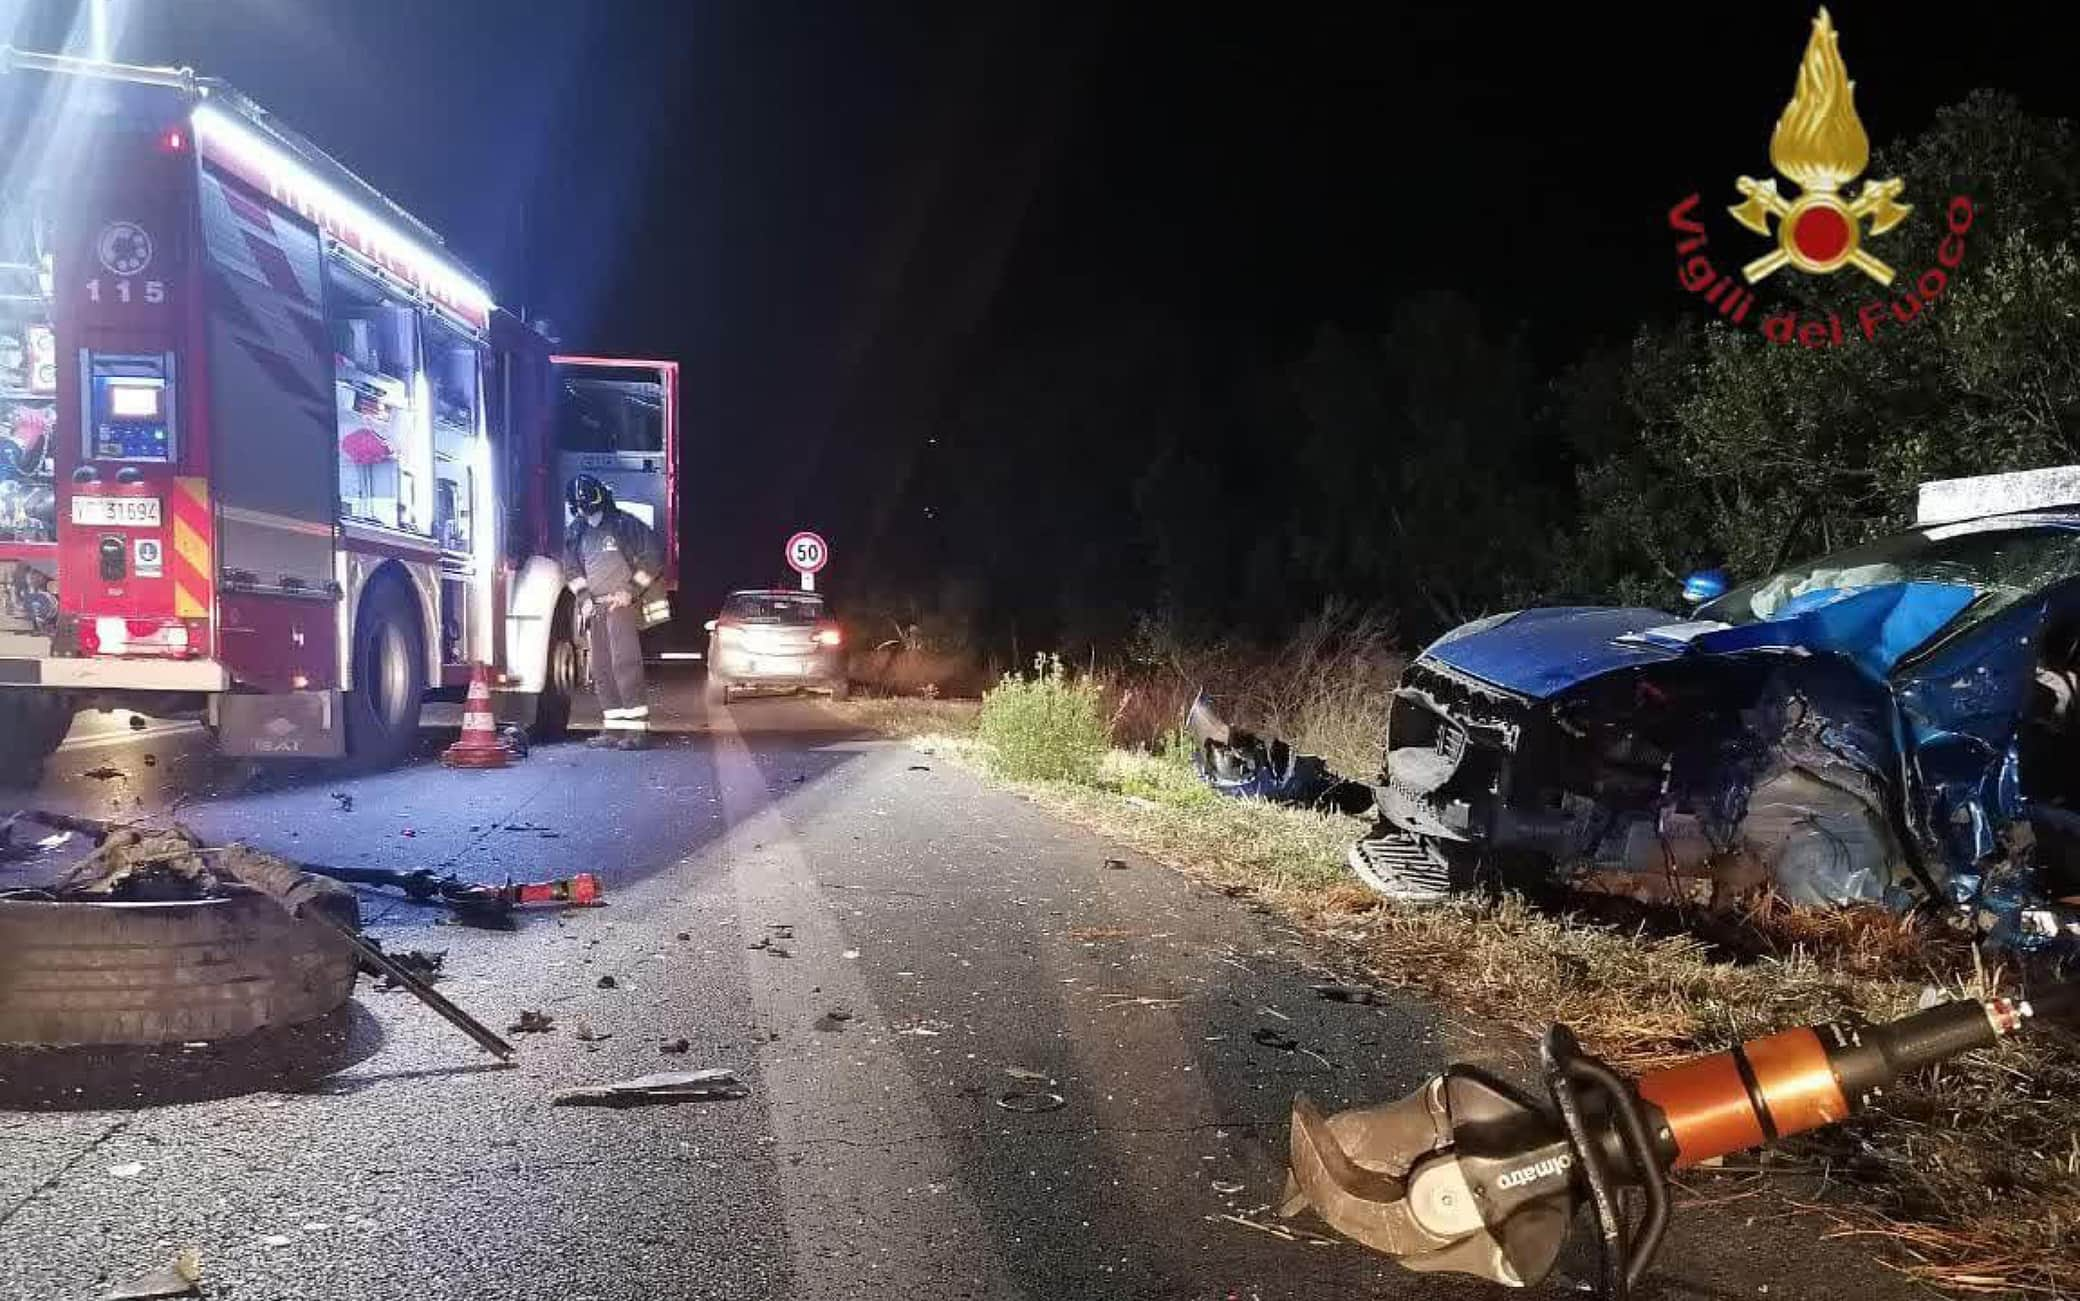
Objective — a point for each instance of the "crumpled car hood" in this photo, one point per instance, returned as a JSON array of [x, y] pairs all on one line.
[[1540, 653]]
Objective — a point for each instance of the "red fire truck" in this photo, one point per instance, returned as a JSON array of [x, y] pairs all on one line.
[[269, 455]]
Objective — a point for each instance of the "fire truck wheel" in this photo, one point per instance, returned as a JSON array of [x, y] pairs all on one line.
[[145, 973], [389, 677], [562, 676], [32, 723]]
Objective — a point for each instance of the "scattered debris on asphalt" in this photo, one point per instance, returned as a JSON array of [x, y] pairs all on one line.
[[127, 1170], [1281, 1231], [715, 1084], [1031, 1103], [765, 943], [608, 982], [103, 773], [1227, 1189], [1274, 1038], [1028, 1075], [423, 963], [1349, 994], [676, 1047], [1116, 864], [586, 1034], [1138, 1000], [344, 800], [13, 851], [920, 767], [532, 1022], [833, 1020], [684, 936], [514, 737], [474, 904], [1241, 763], [177, 1277]]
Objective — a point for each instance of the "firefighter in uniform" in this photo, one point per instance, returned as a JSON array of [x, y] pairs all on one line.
[[613, 559]]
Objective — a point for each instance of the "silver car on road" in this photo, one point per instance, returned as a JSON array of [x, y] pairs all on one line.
[[775, 639]]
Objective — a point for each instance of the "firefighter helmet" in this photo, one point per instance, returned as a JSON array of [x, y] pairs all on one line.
[[587, 494]]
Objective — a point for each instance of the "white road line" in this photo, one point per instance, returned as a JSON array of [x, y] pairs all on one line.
[[126, 736], [848, 1115]]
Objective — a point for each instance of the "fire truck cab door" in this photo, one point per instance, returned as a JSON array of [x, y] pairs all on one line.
[[618, 419]]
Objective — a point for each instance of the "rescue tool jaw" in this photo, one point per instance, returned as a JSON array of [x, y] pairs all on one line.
[[1471, 1176], [1466, 1175]]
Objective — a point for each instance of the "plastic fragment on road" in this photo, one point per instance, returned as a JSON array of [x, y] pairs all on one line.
[[663, 1088], [1115, 864], [532, 1022], [586, 1034], [676, 1047], [127, 1170], [177, 1277], [1031, 1102], [1349, 994], [1028, 1075]]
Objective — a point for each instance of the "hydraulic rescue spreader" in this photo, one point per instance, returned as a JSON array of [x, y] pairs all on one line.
[[1470, 1175]]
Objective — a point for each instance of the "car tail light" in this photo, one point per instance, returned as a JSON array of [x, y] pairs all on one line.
[[829, 637]]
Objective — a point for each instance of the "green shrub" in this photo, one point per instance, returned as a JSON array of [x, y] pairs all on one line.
[[1048, 727]]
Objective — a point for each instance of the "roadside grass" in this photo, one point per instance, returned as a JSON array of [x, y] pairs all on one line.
[[1970, 1174]]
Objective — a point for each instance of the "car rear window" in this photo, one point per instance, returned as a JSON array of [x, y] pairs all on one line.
[[774, 607]]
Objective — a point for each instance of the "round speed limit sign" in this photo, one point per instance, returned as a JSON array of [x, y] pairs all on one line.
[[807, 552]]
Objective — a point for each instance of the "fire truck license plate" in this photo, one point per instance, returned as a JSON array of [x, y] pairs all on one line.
[[119, 512]]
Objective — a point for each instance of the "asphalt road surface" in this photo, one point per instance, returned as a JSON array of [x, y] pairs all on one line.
[[883, 947]]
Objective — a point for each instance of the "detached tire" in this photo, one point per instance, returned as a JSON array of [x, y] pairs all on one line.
[[32, 726], [389, 663], [151, 973], [562, 677]]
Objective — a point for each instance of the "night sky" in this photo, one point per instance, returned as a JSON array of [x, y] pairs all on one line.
[[830, 212]]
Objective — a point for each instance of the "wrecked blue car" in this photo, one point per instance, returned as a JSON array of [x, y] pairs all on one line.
[[1898, 722]]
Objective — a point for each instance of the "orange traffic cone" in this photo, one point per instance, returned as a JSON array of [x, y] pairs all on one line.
[[480, 746]]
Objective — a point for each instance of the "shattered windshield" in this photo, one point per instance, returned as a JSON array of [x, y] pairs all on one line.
[[2002, 562]]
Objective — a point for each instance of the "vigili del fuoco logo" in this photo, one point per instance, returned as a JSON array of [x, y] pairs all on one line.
[[1819, 148]]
